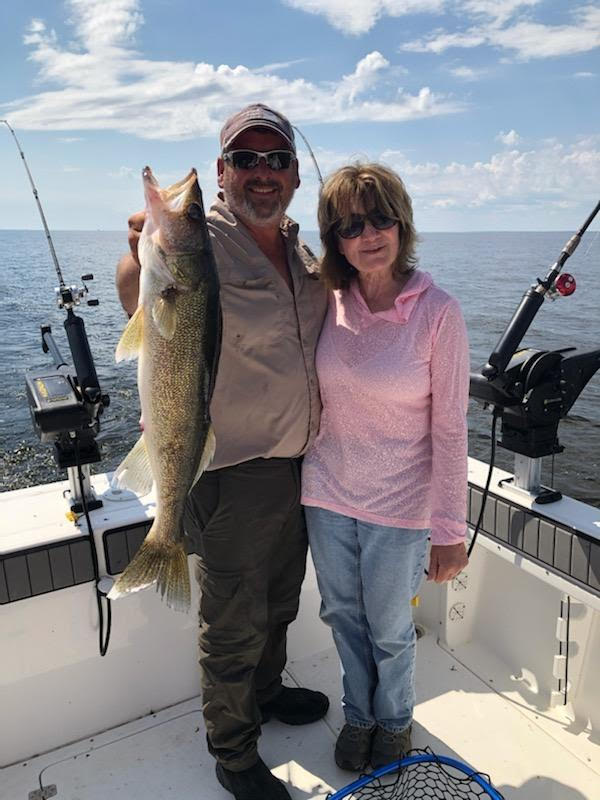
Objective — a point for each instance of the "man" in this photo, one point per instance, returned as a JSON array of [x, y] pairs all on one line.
[[243, 515]]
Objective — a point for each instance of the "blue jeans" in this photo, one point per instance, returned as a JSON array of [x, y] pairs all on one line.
[[367, 576]]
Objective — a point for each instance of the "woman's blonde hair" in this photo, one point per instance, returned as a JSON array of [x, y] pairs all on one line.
[[375, 187]]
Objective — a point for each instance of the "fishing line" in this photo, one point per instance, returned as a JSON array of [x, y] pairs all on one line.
[[592, 243]]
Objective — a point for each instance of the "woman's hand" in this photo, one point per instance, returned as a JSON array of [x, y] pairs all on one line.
[[446, 561]]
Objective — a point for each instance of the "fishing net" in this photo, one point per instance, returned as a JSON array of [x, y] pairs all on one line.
[[422, 775]]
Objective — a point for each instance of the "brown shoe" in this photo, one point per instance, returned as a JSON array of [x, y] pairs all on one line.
[[389, 746], [353, 747]]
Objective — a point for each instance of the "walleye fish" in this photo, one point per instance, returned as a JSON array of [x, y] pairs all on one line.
[[175, 334]]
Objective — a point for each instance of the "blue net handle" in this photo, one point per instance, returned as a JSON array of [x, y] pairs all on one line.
[[418, 758]]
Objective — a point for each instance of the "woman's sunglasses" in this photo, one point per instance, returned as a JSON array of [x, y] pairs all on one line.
[[356, 226], [249, 159]]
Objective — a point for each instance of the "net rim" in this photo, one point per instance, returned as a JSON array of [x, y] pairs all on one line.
[[419, 757]]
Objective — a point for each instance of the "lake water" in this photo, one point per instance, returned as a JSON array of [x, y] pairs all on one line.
[[487, 272]]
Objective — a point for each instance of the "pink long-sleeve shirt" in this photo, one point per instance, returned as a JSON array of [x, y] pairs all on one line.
[[392, 446]]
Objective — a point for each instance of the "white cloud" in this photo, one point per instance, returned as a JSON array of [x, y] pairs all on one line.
[[439, 41], [498, 10], [503, 24], [544, 177], [106, 24], [70, 168], [125, 172], [99, 82], [363, 78], [584, 75], [359, 16], [70, 139], [532, 40], [526, 39], [511, 138], [279, 65], [445, 202], [467, 73], [548, 174]]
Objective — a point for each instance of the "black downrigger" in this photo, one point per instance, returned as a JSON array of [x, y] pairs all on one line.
[[66, 404], [530, 390]]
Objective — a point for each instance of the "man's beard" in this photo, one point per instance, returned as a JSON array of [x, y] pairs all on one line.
[[256, 210]]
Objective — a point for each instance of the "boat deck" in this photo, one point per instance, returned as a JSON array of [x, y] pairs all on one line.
[[528, 754], [488, 672]]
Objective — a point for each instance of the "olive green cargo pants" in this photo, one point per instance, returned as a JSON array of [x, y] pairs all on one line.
[[247, 527]]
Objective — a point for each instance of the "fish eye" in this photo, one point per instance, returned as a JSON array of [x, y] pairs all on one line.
[[194, 211]]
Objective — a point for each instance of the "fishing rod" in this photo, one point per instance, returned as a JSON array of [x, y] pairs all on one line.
[[65, 409], [39, 205], [67, 297], [531, 302], [312, 155]]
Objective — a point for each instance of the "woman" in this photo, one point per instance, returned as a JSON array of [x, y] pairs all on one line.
[[388, 470]]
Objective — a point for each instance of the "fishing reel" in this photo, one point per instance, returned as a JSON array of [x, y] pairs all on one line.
[[535, 391], [70, 296]]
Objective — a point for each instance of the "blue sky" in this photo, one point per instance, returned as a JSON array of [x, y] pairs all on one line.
[[488, 109]]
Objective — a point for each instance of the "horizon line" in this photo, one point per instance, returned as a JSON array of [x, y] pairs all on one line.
[[315, 231]]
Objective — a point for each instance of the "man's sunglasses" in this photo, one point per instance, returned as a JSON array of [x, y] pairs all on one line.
[[249, 159], [356, 226]]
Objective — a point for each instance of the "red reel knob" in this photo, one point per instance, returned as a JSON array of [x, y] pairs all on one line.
[[565, 284]]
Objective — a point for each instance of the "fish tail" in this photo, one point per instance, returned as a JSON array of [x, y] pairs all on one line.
[[175, 587], [166, 565]]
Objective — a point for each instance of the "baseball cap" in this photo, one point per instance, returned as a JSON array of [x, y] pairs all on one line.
[[256, 115]]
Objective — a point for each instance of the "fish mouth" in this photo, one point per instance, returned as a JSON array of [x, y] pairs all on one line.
[[148, 176], [177, 188], [185, 183], [177, 197], [175, 221]]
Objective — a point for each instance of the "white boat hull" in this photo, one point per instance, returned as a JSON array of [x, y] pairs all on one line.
[[491, 681]]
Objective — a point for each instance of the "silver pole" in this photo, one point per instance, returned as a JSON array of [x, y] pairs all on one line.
[[528, 473], [75, 488]]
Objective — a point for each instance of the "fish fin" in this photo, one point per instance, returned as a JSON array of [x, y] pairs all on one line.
[[130, 342], [207, 454], [164, 314], [166, 565], [135, 472]]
